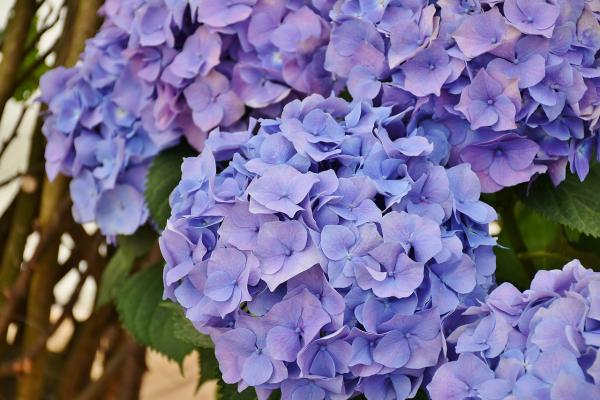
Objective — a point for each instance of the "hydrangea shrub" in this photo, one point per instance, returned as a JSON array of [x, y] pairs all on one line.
[[330, 236]]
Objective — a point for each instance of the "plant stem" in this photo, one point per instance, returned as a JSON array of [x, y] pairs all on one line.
[[13, 47], [31, 386], [506, 206]]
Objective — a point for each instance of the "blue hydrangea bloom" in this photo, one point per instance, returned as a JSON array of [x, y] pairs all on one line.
[[538, 344], [322, 249], [160, 70], [485, 73]]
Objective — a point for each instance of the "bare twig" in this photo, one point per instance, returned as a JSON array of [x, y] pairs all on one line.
[[81, 356], [21, 364], [46, 25], [19, 289], [15, 132], [34, 66], [13, 47], [113, 367], [10, 179]]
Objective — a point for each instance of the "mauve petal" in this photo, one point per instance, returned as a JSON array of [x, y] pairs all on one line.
[[283, 343], [481, 114], [336, 241], [257, 369], [480, 33], [423, 353], [392, 350], [209, 117], [506, 111], [479, 157], [323, 365]]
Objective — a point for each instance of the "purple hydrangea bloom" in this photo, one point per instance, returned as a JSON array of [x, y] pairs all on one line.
[[331, 241], [541, 343], [161, 70], [515, 67]]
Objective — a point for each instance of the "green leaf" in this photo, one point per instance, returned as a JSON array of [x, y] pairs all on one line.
[[508, 266], [120, 265], [163, 176], [114, 275], [572, 203], [209, 367], [140, 243], [184, 330], [227, 392], [140, 309]]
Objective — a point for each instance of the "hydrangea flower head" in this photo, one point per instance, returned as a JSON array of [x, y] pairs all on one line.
[[508, 68], [322, 253], [161, 70], [541, 343]]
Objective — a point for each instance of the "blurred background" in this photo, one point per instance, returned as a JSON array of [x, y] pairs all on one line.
[[54, 342]]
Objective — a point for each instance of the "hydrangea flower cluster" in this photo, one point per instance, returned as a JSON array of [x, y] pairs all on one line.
[[161, 69], [321, 252], [512, 85], [539, 344]]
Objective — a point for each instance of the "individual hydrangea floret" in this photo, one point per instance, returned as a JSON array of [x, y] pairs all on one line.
[[322, 252], [538, 344], [161, 70]]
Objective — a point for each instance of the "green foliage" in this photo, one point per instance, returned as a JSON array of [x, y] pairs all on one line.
[[227, 392], [184, 331], [120, 265], [163, 176], [140, 309], [574, 204], [421, 395], [209, 367]]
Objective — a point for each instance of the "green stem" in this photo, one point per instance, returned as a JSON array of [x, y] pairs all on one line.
[[506, 206]]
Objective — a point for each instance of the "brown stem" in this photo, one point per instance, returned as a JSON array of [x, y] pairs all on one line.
[[47, 237], [40, 299], [34, 66], [13, 47], [15, 132], [23, 363], [133, 373], [30, 386], [112, 368], [82, 355], [21, 225], [46, 26]]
